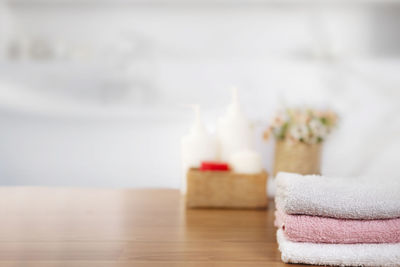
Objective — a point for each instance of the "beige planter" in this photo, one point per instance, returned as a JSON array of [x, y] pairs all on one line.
[[297, 157]]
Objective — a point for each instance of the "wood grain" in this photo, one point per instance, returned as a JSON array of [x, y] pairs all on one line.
[[98, 227]]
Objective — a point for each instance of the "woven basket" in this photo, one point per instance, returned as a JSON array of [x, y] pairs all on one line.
[[297, 157], [226, 189]]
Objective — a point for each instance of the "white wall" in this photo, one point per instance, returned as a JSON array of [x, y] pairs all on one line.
[[106, 112]]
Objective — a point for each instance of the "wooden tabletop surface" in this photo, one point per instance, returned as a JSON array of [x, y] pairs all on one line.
[[101, 227]]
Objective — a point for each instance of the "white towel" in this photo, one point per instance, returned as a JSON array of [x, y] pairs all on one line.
[[339, 254], [358, 198]]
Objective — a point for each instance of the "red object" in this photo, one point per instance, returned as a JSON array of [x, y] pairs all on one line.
[[214, 166]]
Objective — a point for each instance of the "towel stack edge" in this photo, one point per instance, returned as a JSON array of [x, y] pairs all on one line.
[[338, 254]]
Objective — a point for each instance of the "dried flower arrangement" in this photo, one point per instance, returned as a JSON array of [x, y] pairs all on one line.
[[303, 125]]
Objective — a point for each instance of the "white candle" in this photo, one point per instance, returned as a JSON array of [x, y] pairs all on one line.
[[196, 147], [246, 162], [235, 132]]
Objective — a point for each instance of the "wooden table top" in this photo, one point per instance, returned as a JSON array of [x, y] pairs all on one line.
[[101, 227]]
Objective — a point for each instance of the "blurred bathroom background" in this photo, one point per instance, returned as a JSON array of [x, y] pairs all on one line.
[[92, 92]]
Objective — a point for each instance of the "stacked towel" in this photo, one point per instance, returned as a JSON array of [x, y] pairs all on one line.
[[314, 229], [339, 254], [335, 221], [334, 197]]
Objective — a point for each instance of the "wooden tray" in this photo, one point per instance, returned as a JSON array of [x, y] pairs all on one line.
[[221, 189]]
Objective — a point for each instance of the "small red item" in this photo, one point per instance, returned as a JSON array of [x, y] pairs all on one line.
[[214, 166]]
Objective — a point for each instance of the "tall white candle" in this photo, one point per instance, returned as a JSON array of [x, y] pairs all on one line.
[[196, 147], [234, 131]]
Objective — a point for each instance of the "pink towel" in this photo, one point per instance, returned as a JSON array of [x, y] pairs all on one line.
[[313, 229]]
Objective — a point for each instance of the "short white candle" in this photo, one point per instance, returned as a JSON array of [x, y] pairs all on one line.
[[246, 162]]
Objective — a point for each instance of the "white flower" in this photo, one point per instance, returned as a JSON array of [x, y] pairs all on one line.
[[318, 129], [299, 132], [302, 125], [315, 124]]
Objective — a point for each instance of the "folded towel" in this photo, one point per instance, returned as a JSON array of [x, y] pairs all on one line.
[[359, 198], [314, 229], [339, 254]]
